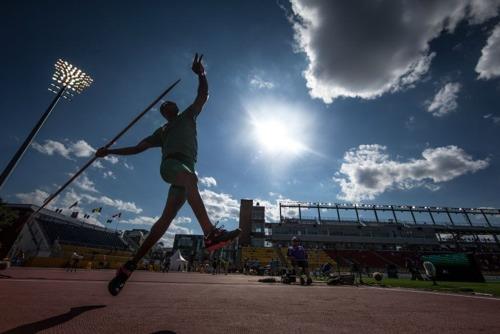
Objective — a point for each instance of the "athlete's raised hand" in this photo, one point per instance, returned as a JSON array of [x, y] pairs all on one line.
[[197, 65]]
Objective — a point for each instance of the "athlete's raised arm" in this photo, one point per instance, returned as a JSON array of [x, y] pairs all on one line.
[[141, 147], [202, 96]]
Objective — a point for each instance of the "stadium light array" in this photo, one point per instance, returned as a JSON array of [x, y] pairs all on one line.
[[68, 79]]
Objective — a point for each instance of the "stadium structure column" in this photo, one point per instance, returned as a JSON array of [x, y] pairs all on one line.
[[245, 225], [413, 215], [376, 214], [449, 216], [394, 214], [281, 217], [432, 217], [489, 224]]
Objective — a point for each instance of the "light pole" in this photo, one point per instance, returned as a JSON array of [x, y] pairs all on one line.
[[68, 79]]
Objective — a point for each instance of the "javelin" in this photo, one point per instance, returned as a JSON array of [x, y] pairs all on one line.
[[111, 142]]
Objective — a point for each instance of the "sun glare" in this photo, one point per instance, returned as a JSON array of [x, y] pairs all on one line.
[[275, 137], [279, 128]]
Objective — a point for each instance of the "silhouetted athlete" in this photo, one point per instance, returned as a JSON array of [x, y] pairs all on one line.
[[179, 147]]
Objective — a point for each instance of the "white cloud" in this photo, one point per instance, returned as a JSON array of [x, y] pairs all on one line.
[[116, 203], [78, 149], [488, 65], [388, 52], [220, 206], [109, 174], [272, 210], [128, 166], [495, 119], [81, 149], [174, 228], [52, 147], [36, 197], [258, 82], [69, 198], [208, 181], [410, 122], [140, 220], [445, 100], [84, 183], [111, 158], [97, 164], [367, 171]]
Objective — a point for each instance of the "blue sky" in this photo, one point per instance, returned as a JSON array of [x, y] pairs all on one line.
[[311, 101]]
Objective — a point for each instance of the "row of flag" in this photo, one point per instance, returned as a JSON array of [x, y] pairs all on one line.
[[86, 216]]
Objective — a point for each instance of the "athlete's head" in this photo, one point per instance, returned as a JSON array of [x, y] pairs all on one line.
[[295, 241], [169, 110]]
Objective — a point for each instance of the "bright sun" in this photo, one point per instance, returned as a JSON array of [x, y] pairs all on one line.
[[275, 137]]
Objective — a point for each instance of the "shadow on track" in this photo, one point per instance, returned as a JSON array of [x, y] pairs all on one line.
[[163, 332], [41, 325]]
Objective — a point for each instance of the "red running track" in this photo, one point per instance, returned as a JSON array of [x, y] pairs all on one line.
[[54, 301]]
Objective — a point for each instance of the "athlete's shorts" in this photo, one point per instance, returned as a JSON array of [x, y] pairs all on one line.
[[300, 263], [169, 170]]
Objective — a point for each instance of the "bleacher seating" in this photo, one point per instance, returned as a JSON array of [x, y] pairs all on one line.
[[81, 235], [361, 257], [264, 255]]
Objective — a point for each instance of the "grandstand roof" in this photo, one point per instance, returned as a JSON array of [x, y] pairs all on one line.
[[400, 214]]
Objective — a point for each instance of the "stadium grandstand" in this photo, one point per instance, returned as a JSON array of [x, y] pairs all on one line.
[[50, 239], [373, 237]]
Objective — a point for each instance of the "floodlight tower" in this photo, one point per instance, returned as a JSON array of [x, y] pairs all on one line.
[[68, 79]]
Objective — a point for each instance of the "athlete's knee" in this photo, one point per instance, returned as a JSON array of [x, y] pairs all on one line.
[[177, 193], [160, 226], [191, 182]]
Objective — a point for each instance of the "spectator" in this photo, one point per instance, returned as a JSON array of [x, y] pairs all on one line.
[[74, 261], [298, 257]]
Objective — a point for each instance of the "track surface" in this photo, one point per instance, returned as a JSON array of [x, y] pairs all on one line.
[[54, 301]]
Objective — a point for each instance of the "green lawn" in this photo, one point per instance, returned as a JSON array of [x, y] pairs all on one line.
[[463, 287]]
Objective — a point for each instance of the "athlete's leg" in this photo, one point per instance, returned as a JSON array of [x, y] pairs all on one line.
[[176, 198], [190, 182]]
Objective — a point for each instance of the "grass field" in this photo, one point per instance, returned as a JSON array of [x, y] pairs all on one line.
[[492, 288]]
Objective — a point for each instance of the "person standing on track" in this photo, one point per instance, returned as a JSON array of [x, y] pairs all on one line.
[[179, 146], [298, 256]]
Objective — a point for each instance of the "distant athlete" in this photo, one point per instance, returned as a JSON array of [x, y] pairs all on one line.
[[179, 146]]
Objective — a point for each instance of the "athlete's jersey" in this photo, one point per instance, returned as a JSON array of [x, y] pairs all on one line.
[[178, 136]]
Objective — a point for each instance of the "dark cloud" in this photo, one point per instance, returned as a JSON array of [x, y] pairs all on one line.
[[367, 48]]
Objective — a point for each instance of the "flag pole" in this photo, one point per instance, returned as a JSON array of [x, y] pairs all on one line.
[[111, 142]]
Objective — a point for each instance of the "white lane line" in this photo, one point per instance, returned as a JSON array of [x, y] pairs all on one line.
[[432, 293]]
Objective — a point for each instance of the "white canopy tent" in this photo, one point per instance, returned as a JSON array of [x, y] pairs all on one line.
[[177, 262]]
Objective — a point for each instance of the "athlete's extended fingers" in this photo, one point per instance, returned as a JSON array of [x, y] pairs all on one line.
[[199, 60], [195, 58]]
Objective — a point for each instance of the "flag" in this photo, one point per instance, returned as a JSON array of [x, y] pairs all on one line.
[[117, 215], [73, 205], [74, 214], [97, 210], [86, 216], [109, 221]]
